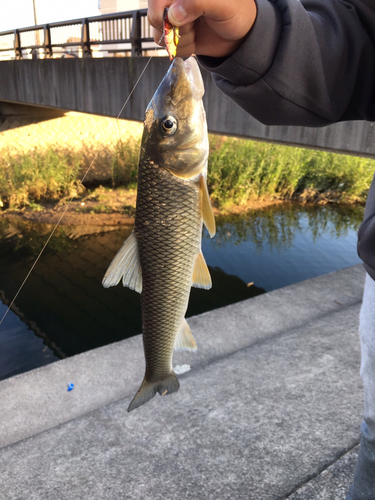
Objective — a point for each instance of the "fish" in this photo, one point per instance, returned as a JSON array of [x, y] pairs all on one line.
[[171, 36], [162, 258]]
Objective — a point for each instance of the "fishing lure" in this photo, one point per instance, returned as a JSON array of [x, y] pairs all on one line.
[[171, 36]]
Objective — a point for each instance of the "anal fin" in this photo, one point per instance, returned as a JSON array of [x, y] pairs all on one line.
[[201, 274], [185, 340]]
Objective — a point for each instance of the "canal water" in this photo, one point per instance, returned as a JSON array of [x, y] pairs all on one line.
[[63, 309]]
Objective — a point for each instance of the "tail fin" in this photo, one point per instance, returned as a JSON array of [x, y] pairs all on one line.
[[148, 390]]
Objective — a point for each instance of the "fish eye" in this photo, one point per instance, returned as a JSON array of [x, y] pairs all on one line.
[[169, 125]]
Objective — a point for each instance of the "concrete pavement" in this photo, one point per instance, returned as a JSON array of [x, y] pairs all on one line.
[[271, 409]]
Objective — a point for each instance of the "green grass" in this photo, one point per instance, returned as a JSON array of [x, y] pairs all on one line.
[[99, 208], [240, 171], [125, 163], [28, 179]]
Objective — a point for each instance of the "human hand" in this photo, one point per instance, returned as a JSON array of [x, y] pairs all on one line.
[[207, 27]]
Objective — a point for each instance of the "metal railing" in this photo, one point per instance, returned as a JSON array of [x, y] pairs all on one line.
[[126, 32]]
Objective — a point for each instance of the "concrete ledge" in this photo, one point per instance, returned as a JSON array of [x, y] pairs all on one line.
[[273, 401], [38, 400]]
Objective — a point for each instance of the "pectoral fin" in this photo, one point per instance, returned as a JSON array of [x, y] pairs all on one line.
[[185, 340], [207, 212], [125, 265], [201, 274]]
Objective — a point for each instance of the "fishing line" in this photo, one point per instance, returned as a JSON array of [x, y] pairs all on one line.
[[48, 239], [126, 102], [136, 83], [70, 201]]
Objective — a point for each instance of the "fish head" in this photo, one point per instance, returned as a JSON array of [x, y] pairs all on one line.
[[175, 129]]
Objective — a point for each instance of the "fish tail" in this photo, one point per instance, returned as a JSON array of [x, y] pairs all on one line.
[[148, 390]]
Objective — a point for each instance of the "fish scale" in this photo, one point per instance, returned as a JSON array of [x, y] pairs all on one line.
[[168, 231]]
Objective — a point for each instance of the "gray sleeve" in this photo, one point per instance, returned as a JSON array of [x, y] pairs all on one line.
[[308, 62]]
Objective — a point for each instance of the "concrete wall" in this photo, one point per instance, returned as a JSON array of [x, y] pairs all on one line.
[[26, 129], [101, 86]]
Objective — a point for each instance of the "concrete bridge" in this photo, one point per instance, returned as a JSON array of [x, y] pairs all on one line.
[[100, 85]]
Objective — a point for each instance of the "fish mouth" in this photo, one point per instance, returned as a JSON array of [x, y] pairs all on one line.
[[195, 78], [191, 70]]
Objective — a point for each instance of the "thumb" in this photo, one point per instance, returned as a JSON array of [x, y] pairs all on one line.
[[184, 11]]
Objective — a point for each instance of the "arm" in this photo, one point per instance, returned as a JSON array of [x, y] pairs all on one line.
[[285, 62], [207, 27], [304, 63]]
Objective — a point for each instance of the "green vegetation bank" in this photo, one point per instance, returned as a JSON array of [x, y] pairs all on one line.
[[240, 172]]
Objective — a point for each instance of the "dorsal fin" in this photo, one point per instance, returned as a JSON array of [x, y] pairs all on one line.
[[201, 274], [207, 212], [125, 265]]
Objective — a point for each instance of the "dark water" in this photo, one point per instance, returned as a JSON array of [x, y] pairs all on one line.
[[63, 309]]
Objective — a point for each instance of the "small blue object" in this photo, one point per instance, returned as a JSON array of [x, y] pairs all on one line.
[[70, 387]]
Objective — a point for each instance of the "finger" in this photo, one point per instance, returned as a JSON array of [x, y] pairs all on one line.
[[182, 12], [186, 51], [158, 37], [232, 20], [187, 31], [187, 39], [186, 28], [208, 42], [155, 12]]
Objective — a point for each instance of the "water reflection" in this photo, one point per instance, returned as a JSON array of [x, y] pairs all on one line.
[[23, 345], [284, 244], [276, 226], [28, 238], [64, 298]]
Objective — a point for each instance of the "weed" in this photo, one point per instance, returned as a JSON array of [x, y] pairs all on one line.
[[125, 162], [242, 170], [239, 172], [27, 179]]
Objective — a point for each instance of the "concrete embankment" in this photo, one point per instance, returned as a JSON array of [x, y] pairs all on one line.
[[25, 130], [270, 409]]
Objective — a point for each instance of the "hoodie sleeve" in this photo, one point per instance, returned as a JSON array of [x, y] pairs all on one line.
[[308, 62]]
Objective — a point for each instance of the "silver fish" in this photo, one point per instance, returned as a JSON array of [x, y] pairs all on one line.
[[162, 257]]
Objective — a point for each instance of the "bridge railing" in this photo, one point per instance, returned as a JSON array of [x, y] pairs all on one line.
[[126, 32]]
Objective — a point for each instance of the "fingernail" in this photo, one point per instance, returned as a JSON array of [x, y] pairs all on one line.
[[177, 14]]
